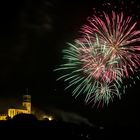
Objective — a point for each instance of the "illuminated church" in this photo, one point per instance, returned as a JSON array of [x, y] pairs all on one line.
[[25, 108]]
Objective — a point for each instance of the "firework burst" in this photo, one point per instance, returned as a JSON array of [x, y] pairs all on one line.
[[119, 33], [90, 71], [107, 51]]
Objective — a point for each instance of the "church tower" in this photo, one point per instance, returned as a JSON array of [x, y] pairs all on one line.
[[27, 101]]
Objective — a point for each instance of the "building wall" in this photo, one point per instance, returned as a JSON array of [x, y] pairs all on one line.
[[13, 112], [3, 117]]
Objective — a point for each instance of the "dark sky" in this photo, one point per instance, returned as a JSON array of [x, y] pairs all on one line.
[[33, 34]]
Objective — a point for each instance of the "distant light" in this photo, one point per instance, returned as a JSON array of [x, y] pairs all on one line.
[[50, 118]]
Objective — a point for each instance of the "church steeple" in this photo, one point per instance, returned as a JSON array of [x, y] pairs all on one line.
[[27, 101]]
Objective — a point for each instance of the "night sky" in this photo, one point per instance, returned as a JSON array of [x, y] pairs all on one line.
[[33, 34]]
